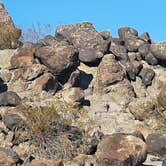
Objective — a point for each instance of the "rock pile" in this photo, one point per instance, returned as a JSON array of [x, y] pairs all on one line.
[[78, 97]]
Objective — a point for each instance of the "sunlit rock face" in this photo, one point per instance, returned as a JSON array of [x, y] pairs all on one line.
[[9, 34]]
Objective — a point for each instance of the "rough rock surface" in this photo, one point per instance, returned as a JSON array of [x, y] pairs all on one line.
[[67, 96], [119, 149], [9, 34], [58, 59], [9, 99], [86, 39]]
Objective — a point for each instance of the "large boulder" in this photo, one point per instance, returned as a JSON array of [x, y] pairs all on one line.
[[24, 57], [127, 32], [109, 72], [59, 58], [159, 51], [130, 38], [121, 150], [9, 34], [86, 39], [132, 69]]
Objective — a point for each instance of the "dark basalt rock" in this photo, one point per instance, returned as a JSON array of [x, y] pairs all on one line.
[[90, 43], [147, 76], [127, 32], [151, 59], [120, 52]]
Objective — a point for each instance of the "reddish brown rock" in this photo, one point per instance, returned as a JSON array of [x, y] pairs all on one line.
[[109, 72], [46, 82], [59, 58], [121, 150], [24, 57]]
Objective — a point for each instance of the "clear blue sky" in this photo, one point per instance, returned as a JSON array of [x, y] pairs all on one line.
[[144, 15]]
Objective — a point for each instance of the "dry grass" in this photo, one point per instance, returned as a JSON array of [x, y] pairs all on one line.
[[51, 130], [8, 36], [154, 113]]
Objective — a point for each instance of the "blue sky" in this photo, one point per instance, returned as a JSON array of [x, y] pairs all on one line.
[[144, 15]]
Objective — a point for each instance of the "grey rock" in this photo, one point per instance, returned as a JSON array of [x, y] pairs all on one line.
[[151, 59], [105, 34], [146, 37], [147, 76], [74, 79], [132, 44], [120, 52], [132, 69], [159, 51], [126, 32], [156, 144], [144, 49], [9, 99], [12, 121]]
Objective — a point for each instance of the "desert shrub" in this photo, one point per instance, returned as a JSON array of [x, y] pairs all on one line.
[[161, 100], [154, 113], [36, 32], [52, 131]]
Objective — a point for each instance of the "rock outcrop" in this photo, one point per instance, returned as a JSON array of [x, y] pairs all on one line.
[[81, 97], [9, 34]]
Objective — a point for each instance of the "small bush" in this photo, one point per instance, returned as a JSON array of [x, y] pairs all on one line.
[[154, 113], [51, 130]]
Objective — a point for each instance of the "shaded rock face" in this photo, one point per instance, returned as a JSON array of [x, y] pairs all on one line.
[[147, 76], [86, 39], [120, 52], [119, 149], [9, 34]]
